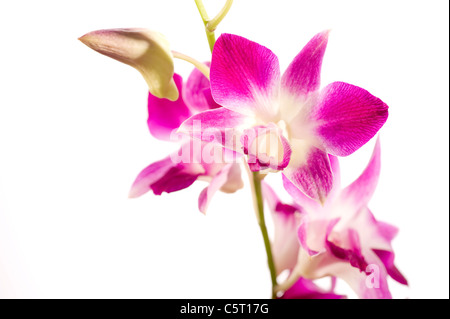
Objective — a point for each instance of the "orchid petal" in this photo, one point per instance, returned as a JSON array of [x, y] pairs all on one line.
[[362, 189], [371, 284], [285, 246], [310, 172], [371, 231], [165, 176], [387, 257], [164, 115], [353, 255], [299, 197], [219, 126], [150, 175], [387, 231], [347, 117], [335, 168], [303, 238], [218, 181], [177, 178], [244, 76], [266, 147], [197, 92], [234, 179], [147, 51], [303, 74], [306, 289]]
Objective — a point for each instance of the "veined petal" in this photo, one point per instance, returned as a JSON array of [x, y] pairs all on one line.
[[347, 117], [220, 180], [244, 76], [310, 171], [164, 115], [362, 189], [303, 74], [266, 148], [220, 125], [197, 92], [147, 51], [299, 197]]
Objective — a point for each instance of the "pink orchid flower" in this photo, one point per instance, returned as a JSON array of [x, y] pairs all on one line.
[[174, 173], [342, 238], [285, 248], [285, 122]]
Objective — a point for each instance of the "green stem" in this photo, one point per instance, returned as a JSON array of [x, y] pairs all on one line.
[[209, 34], [199, 65], [214, 22], [259, 205]]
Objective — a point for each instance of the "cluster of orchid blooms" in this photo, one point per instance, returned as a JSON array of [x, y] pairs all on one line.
[[239, 111]]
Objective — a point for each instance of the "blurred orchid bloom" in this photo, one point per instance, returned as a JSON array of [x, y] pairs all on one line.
[[342, 238], [146, 51], [285, 248], [204, 161], [286, 219], [285, 122]]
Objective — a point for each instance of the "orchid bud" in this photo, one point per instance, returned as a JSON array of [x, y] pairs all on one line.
[[147, 51]]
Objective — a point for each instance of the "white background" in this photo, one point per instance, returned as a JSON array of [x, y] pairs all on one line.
[[73, 136]]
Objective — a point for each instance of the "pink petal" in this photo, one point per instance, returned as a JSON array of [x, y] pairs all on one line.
[[387, 231], [362, 189], [353, 254], [218, 125], [303, 238], [266, 148], [150, 175], [285, 246], [197, 92], [306, 289], [164, 115], [387, 257], [234, 179], [373, 234], [335, 168], [276, 206], [376, 276], [177, 178], [216, 183], [303, 74], [165, 176], [244, 75], [299, 197], [347, 117], [312, 176], [209, 99]]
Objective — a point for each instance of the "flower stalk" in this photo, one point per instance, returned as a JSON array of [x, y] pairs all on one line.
[[211, 24], [259, 207], [199, 65], [255, 177], [209, 34]]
